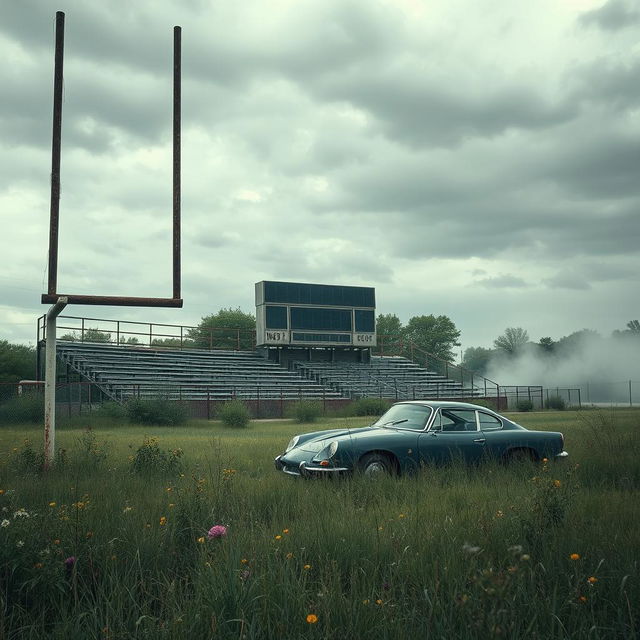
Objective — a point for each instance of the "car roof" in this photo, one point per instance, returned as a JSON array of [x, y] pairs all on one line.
[[435, 404]]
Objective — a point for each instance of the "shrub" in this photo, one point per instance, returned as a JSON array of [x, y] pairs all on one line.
[[524, 405], [150, 458], [556, 402], [305, 411], [369, 407], [28, 460], [25, 408], [113, 411], [156, 411], [234, 414]]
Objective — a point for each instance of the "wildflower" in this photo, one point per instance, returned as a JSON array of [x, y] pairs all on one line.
[[516, 548], [278, 537], [525, 557], [1, 492], [574, 556], [171, 505], [56, 541], [20, 513], [127, 509], [285, 531], [379, 602], [512, 569], [38, 565], [5, 523], [307, 567], [70, 562], [365, 601], [499, 513], [163, 521], [401, 515], [217, 531], [471, 550], [244, 575], [556, 484], [244, 561], [592, 580], [545, 460], [201, 539], [289, 555], [20, 544], [169, 489], [312, 618], [89, 534], [380, 528], [52, 504], [582, 599]]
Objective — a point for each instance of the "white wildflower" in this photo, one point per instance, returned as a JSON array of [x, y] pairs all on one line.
[[516, 548], [20, 544], [471, 550], [21, 513], [5, 523]]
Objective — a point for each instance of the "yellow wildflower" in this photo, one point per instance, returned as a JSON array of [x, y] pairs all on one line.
[[52, 504], [574, 556], [163, 521], [307, 567], [278, 537], [592, 580], [312, 618]]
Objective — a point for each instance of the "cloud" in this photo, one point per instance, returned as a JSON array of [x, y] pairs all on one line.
[[614, 15]]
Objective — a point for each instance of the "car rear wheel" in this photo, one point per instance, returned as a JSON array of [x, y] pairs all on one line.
[[377, 464]]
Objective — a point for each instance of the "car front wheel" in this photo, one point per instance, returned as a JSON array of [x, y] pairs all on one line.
[[376, 464]]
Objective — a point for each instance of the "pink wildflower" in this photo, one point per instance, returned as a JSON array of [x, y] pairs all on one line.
[[217, 531]]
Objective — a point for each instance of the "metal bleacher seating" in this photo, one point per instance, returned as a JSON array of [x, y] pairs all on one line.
[[127, 371], [386, 377]]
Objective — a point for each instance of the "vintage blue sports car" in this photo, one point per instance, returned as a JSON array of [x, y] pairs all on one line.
[[417, 433]]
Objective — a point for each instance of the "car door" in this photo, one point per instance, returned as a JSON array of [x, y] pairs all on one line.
[[453, 435]]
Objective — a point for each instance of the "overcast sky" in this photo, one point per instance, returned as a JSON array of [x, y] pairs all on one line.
[[479, 160]]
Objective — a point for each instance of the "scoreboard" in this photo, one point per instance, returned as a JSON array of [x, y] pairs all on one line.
[[314, 315]]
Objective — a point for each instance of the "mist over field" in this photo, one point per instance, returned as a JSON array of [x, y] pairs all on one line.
[[600, 367]]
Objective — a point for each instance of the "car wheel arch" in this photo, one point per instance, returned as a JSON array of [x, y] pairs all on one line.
[[388, 455]]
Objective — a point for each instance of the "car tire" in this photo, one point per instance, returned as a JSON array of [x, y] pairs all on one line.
[[377, 464]]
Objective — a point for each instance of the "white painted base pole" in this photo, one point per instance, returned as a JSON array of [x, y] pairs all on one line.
[[50, 384]]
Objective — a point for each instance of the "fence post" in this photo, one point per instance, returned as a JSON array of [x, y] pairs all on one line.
[[281, 404], [257, 401], [630, 395]]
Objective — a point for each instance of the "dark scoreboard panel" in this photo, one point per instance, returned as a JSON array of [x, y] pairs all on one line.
[[302, 314]]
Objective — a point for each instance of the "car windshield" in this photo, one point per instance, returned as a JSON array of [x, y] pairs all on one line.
[[407, 416]]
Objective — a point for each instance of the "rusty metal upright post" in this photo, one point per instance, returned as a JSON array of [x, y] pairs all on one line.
[[55, 153], [177, 91]]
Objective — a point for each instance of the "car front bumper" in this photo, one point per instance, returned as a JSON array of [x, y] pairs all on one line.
[[307, 469]]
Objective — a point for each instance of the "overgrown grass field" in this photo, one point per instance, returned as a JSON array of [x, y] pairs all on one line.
[[115, 542]]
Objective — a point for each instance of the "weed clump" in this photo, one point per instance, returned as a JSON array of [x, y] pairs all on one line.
[[235, 414], [306, 411], [151, 459], [524, 405], [556, 402], [368, 407], [156, 411]]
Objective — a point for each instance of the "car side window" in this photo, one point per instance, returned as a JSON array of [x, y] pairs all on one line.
[[456, 420], [489, 422]]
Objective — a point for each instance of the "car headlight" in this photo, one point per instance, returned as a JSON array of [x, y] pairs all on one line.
[[332, 448], [292, 443]]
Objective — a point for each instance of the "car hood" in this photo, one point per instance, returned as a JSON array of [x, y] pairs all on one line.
[[318, 440]]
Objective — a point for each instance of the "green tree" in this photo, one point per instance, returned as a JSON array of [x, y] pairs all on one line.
[[227, 329], [17, 362], [90, 335], [547, 345], [511, 341], [477, 359], [388, 332], [436, 335]]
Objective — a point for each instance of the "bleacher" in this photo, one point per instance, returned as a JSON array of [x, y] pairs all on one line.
[[386, 377], [125, 371]]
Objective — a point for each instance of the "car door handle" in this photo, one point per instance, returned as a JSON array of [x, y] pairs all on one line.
[[480, 440]]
